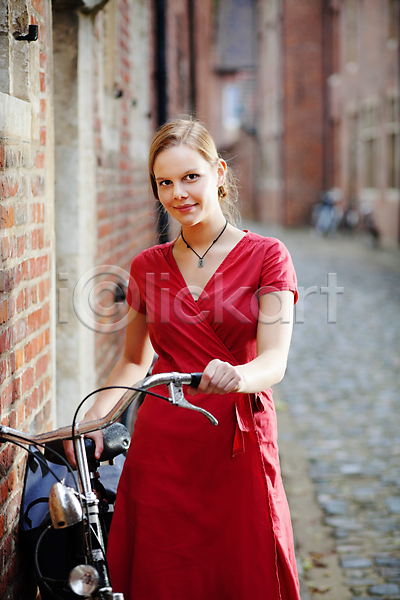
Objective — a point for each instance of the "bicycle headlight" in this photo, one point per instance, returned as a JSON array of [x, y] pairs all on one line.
[[65, 508]]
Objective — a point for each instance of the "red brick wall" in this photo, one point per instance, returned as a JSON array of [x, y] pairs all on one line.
[[125, 224], [303, 109], [125, 206], [26, 242]]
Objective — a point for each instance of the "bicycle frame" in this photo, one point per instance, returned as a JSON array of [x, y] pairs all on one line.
[[96, 579]]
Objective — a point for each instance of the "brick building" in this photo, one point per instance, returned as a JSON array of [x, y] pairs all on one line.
[[27, 251], [364, 110], [329, 112], [78, 106], [313, 105]]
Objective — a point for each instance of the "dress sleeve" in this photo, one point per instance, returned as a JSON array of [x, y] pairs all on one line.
[[277, 272], [134, 296]]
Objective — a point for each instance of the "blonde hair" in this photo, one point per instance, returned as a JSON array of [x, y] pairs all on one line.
[[193, 134]]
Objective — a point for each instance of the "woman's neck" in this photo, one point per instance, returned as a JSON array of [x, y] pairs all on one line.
[[203, 234]]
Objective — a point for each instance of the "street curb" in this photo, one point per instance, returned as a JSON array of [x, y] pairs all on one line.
[[318, 563]]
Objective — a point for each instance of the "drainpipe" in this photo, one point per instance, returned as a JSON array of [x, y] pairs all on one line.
[[192, 55], [398, 106], [326, 71], [161, 96]]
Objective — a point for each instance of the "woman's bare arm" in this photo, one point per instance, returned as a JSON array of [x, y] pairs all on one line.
[[274, 334], [131, 368]]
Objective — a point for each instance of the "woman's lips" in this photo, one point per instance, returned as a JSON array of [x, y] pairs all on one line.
[[185, 207]]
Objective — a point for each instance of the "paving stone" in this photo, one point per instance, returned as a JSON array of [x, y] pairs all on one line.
[[351, 469], [385, 589], [326, 488], [361, 582], [348, 549], [387, 561], [345, 523], [340, 534], [375, 468], [393, 504], [355, 562], [364, 494], [383, 524], [391, 574], [333, 507], [392, 476]]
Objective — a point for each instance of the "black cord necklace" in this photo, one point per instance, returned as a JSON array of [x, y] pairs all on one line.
[[201, 258]]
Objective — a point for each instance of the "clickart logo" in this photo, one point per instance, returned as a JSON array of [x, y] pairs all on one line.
[[99, 301]]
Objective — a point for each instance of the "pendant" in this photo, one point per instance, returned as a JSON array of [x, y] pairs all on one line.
[[201, 262]]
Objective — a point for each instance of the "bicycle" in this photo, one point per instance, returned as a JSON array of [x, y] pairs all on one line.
[[326, 215], [81, 507]]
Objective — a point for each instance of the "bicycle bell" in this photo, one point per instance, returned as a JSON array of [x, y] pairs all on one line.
[[65, 508], [83, 580]]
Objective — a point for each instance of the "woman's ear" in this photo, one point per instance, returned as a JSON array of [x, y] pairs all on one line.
[[221, 172]]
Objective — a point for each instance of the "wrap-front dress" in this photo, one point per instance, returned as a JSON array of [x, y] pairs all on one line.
[[201, 512]]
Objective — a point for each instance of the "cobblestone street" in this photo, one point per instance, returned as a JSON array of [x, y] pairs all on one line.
[[342, 396]]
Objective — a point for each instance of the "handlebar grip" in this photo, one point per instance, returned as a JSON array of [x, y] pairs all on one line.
[[116, 440], [196, 377]]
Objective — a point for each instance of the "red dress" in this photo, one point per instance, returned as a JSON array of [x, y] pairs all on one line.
[[201, 513]]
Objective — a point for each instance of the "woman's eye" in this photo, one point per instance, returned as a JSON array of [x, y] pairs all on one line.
[[164, 183], [191, 177]]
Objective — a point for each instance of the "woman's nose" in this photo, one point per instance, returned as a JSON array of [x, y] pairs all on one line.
[[179, 191]]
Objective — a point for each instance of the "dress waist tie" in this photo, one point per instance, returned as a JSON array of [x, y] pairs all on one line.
[[244, 422]]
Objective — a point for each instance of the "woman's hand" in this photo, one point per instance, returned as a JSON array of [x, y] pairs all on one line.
[[219, 377], [97, 436]]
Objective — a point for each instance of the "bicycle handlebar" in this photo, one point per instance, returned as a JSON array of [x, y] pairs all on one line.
[[175, 381]]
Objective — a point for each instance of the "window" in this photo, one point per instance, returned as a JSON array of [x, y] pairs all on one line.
[[392, 138], [370, 139], [351, 31], [370, 163], [231, 106], [352, 154], [393, 19]]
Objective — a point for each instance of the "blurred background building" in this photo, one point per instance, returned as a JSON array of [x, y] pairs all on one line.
[[301, 96], [316, 105]]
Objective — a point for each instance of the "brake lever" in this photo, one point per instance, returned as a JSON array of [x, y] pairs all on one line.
[[177, 398]]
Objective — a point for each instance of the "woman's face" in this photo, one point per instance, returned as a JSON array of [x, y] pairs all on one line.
[[188, 185]]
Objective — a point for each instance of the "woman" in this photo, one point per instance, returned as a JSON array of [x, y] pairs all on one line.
[[201, 513]]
